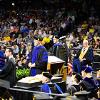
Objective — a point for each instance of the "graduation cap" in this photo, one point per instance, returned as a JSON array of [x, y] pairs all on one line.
[[42, 96], [71, 98], [60, 96], [87, 69], [47, 74], [4, 84], [82, 95]]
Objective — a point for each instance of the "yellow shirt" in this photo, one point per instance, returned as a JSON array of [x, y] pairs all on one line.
[[84, 26], [7, 38], [91, 30], [46, 39]]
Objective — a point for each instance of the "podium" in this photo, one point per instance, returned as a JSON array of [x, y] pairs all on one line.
[[56, 66]]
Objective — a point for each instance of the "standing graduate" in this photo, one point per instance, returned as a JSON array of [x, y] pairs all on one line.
[[39, 57], [60, 48]]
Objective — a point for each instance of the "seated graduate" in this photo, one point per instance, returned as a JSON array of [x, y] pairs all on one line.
[[46, 78], [88, 83], [83, 57], [74, 87]]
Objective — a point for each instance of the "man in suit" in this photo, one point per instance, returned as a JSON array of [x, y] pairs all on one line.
[[83, 57], [9, 54], [8, 72]]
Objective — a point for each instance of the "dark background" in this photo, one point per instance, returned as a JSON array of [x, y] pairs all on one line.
[[50, 3], [84, 7]]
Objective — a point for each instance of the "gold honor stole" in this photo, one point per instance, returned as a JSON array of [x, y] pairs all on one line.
[[82, 54]]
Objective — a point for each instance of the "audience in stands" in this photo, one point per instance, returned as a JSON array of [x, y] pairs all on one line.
[[17, 30]]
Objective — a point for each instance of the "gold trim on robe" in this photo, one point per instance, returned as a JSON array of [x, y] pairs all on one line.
[[82, 54]]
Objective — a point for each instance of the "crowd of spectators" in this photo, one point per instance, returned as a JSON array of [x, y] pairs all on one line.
[[17, 31]]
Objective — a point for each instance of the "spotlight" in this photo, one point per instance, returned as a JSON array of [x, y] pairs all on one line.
[[13, 4]]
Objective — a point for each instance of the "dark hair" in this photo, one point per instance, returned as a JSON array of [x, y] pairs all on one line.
[[74, 73], [78, 77], [38, 37], [10, 50], [35, 37], [56, 36], [48, 75]]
